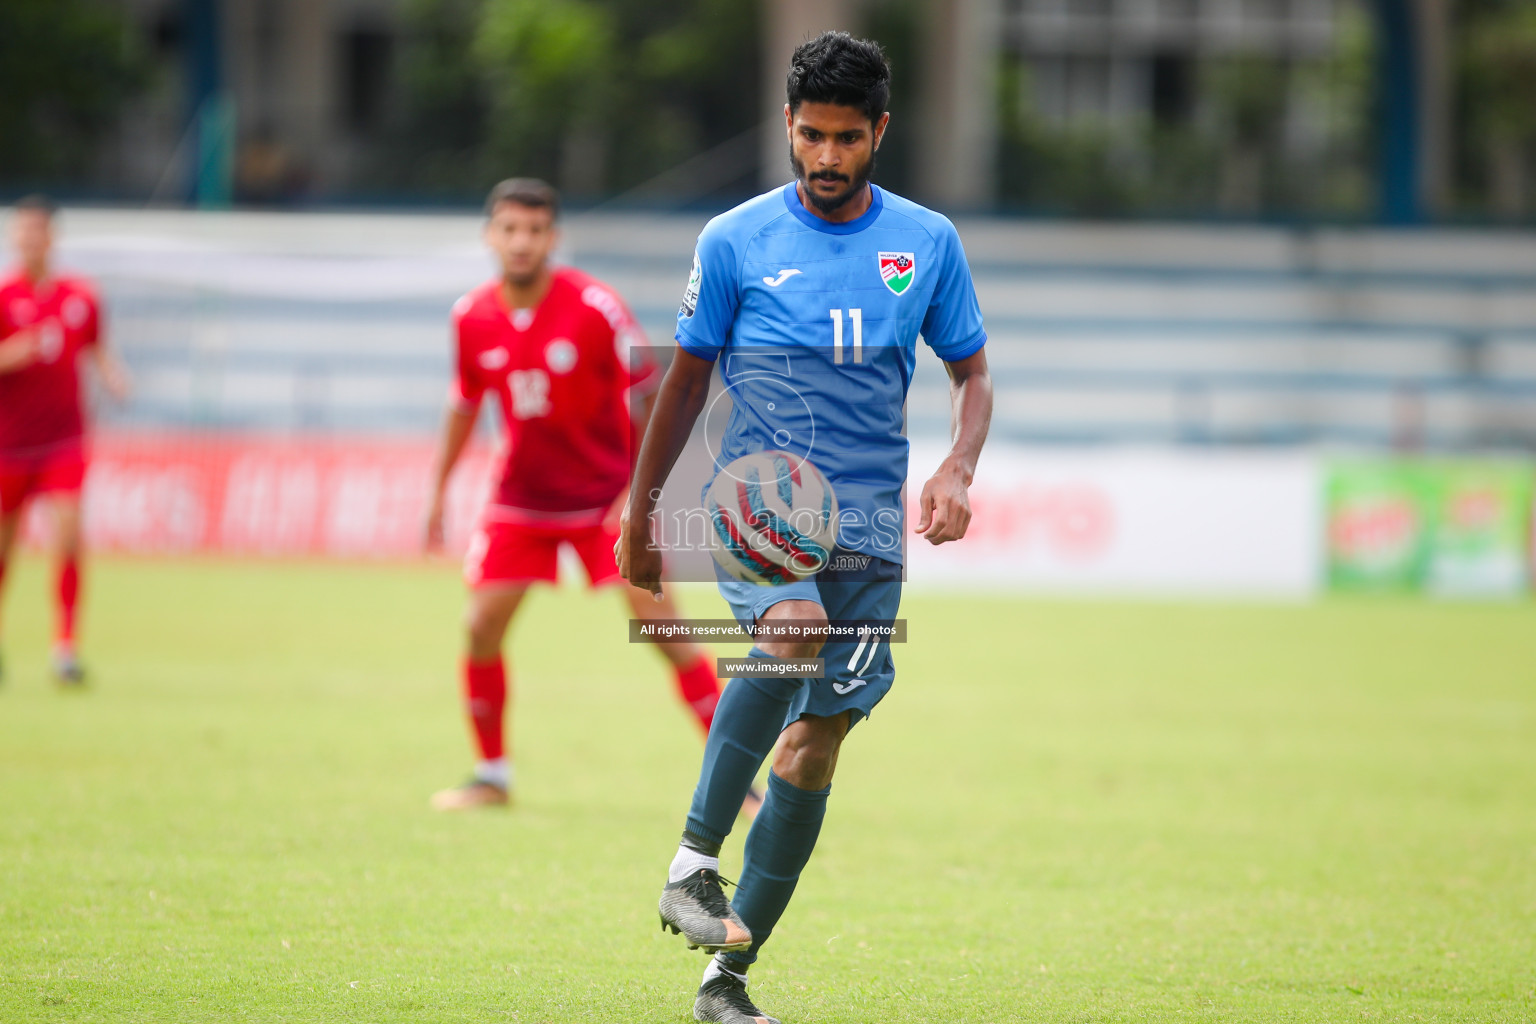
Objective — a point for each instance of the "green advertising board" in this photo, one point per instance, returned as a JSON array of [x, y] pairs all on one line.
[[1450, 527]]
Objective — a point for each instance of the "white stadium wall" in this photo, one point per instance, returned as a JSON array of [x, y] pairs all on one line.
[[1217, 524]]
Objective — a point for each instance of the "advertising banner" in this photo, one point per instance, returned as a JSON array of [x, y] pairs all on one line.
[[1458, 528], [186, 494], [1210, 524], [1045, 520]]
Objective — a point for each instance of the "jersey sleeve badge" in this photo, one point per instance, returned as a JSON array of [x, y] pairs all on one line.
[[691, 293], [898, 270]]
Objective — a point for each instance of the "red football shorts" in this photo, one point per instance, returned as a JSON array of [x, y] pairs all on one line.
[[518, 553], [20, 479]]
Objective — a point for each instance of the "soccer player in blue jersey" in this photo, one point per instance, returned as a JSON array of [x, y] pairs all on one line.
[[828, 281]]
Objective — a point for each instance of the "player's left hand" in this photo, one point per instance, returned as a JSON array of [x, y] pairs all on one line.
[[639, 561], [432, 524], [945, 508], [116, 379]]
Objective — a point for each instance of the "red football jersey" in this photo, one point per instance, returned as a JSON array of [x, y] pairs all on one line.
[[40, 407], [561, 373]]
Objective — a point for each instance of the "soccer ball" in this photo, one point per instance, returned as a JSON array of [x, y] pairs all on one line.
[[773, 518]]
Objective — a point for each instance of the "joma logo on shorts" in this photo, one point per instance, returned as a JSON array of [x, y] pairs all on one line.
[[849, 563]]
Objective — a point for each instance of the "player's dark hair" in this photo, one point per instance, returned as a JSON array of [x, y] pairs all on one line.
[[529, 192], [38, 202], [837, 68]]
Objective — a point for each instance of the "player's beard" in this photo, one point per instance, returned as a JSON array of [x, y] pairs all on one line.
[[525, 280], [856, 183]]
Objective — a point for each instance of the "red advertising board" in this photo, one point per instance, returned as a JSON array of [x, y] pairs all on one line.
[[169, 493]]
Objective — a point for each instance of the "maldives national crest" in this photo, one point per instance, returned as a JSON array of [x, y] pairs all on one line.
[[898, 270]]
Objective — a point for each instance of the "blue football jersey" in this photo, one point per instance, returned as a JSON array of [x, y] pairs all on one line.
[[815, 328]]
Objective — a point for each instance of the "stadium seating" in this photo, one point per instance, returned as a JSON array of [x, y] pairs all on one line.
[[1125, 334]]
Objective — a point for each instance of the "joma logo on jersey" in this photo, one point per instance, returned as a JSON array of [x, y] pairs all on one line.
[[898, 270]]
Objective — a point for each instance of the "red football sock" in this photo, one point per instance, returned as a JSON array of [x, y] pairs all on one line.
[[699, 688], [68, 595], [485, 699]]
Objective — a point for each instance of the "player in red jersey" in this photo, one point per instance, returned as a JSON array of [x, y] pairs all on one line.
[[568, 366], [46, 323]]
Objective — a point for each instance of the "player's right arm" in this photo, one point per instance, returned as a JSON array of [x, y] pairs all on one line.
[[110, 370], [458, 424], [677, 407], [704, 324]]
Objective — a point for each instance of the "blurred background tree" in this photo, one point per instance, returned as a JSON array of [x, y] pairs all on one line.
[[66, 68], [1057, 167], [1115, 108], [1498, 74], [434, 136], [1248, 97], [1233, 132], [599, 96]]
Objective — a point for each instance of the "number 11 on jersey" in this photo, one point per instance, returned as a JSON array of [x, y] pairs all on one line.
[[857, 316]]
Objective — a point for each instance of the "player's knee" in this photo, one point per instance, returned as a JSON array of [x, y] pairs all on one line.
[[66, 540], [791, 648], [807, 758], [10, 527], [484, 633], [810, 632]]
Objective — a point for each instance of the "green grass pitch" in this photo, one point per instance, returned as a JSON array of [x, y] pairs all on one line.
[[1065, 811]]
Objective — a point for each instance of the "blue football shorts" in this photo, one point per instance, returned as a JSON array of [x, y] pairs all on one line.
[[853, 588]]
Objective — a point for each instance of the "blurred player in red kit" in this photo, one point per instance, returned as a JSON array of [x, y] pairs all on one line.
[[575, 381], [47, 322]]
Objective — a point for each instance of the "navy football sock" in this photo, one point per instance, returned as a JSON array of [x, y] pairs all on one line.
[[778, 847], [747, 723]]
